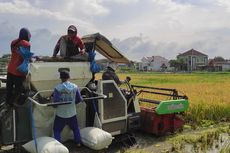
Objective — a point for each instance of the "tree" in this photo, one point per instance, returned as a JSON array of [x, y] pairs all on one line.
[[182, 65], [163, 67], [178, 64], [173, 63], [6, 55], [4, 60], [219, 59]]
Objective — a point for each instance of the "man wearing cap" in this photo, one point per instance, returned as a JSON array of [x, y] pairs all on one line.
[[110, 74], [66, 114], [70, 44]]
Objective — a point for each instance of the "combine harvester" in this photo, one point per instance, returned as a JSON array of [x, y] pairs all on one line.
[[120, 110]]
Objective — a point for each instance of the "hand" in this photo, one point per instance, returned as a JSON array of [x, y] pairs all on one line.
[[82, 52], [57, 57], [128, 78]]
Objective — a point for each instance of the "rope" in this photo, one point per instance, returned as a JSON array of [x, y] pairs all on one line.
[[33, 127], [96, 115]]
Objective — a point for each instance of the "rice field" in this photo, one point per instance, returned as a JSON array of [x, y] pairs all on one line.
[[208, 93]]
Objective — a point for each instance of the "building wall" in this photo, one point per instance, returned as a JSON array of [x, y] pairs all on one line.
[[156, 65], [226, 67], [193, 62], [153, 63]]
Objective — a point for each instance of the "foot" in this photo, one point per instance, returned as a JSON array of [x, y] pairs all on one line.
[[78, 145]]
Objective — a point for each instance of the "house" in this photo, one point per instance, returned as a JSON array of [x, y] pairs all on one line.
[[3, 64], [3, 68], [218, 65], [194, 59], [153, 63], [103, 63]]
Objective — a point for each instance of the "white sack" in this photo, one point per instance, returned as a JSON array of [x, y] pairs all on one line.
[[95, 138], [43, 118], [46, 145]]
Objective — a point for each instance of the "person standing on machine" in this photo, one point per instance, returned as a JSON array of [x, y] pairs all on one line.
[[70, 44], [15, 78]]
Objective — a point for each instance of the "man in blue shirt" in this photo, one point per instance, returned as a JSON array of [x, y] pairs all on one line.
[[66, 114]]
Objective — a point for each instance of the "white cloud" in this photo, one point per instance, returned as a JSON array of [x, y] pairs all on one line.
[[225, 4], [138, 27], [22, 7], [70, 11], [126, 2]]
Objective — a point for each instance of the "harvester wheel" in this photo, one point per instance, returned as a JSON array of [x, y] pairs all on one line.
[[126, 140], [180, 130]]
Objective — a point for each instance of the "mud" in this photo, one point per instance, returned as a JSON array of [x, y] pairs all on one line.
[[204, 140]]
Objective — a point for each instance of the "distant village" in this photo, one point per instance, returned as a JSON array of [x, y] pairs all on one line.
[[188, 61], [191, 60]]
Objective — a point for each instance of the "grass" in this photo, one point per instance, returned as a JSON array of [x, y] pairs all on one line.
[[208, 93]]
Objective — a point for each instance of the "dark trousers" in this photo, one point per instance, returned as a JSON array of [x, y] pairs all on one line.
[[14, 88], [59, 124]]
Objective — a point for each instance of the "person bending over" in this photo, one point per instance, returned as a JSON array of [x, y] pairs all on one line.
[[70, 44]]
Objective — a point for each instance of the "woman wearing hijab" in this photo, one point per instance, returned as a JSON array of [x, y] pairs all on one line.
[[15, 78]]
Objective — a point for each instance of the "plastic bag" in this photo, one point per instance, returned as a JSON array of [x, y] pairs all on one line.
[[26, 54], [94, 67]]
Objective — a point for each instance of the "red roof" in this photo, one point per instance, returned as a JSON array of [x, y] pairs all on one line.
[[192, 52]]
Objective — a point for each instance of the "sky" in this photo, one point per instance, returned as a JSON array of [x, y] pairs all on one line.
[[138, 28]]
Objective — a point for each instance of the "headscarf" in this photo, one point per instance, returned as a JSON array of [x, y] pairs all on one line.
[[24, 34]]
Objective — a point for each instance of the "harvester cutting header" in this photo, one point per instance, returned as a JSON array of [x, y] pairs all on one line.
[[118, 110]]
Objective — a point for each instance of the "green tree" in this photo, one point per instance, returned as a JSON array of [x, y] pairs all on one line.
[[178, 64], [5, 55], [219, 59]]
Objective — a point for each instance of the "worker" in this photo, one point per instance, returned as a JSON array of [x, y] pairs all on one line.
[[69, 44], [15, 78], [110, 74], [66, 114]]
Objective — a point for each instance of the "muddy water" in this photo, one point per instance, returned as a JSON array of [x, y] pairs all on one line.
[[147, 143], [221, 144], [209, 140]]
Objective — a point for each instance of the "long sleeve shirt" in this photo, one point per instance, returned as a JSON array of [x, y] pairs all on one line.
[[110, 74], [16, 58], [68, 46], [67, 92]]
